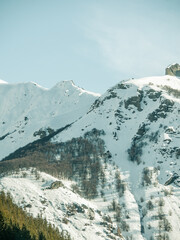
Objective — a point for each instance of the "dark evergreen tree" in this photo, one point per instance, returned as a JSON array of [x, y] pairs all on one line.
[[15, 224]]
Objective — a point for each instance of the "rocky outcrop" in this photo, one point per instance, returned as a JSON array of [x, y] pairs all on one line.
[[135, 100], [172, 179], [56, 185], [173, 70]]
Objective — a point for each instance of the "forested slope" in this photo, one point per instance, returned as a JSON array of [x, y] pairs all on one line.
[[15, 224]]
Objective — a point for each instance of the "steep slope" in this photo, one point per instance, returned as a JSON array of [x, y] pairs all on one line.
[[140, 119], [17, 224], [29, 112], [35, 193]]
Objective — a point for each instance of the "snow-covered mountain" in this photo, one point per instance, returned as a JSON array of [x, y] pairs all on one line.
[[122, 148], [28, 111]]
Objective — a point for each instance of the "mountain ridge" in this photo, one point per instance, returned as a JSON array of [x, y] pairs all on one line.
[[26, 108]]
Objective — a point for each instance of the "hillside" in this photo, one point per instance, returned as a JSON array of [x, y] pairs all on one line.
[[140, 118], [16, 224], [119, 157]]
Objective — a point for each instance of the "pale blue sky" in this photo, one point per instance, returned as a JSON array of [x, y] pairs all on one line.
[[95, 43]]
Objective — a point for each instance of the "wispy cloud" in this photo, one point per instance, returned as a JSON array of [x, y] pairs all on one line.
[[129, 48]]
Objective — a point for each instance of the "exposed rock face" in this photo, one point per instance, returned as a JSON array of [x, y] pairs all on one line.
[[56, 185], [173, 70]]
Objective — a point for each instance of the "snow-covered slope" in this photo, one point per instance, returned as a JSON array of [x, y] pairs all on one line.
[[25, 108], [140, 118], [82, 218], [138, 184]]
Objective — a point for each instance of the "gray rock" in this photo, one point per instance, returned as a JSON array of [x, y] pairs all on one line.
[[173, 70], [56, 185], [172, 179]]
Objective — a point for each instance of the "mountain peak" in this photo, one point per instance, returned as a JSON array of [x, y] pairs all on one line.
[[69, 85], [65, 84]]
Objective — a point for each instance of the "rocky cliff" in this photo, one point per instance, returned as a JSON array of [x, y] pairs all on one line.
[[173, 70]]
